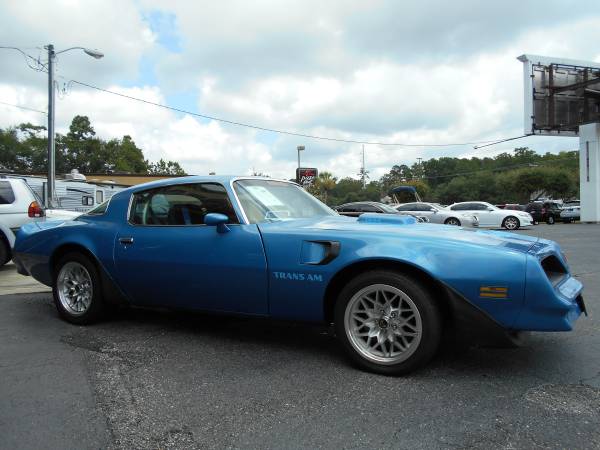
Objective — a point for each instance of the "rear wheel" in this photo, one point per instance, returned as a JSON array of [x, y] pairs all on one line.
[[550, 220], [77, 290], [511, 223], [387, 323], [452, 221]]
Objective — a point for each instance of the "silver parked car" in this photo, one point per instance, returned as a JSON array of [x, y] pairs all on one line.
[[571, 211], [437, 214]]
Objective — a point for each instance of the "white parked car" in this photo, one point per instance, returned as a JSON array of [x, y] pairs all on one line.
[[18, 206], [437, 214], [493, 217]]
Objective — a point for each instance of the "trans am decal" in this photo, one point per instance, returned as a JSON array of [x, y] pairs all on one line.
[[296, 276]]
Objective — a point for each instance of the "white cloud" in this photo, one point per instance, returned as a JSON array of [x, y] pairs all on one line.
[[427, 72]]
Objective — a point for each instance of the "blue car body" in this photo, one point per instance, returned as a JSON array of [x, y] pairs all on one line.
[[292, 269]]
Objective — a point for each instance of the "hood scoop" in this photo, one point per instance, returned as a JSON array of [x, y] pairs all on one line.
[[386, 219]]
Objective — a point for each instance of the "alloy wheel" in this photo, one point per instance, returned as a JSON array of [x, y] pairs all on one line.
[[75, 288], [383, 324], [510, 223]]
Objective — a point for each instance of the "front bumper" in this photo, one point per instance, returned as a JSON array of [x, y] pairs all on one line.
[[525, 221], [570, 215], [553, 299]]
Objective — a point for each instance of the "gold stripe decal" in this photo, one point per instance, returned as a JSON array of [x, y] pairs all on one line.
[[493, 291]]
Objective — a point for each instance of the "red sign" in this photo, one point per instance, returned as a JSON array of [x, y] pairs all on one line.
[[306, 176]]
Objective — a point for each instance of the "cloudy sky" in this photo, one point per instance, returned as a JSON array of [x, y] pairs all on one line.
[[416, 72]]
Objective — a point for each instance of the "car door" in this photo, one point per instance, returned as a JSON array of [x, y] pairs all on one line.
[[166, 256], [486, 217], [425, 210], [408, 208]]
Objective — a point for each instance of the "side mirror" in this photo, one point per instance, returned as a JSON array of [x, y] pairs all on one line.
[[489, 208], [217, 220]]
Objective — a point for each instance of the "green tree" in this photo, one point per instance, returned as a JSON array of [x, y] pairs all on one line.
[[528, 182], [163, 167], [323, 185], [124, 156]]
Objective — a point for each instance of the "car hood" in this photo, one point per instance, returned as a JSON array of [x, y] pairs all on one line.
[[394, 226]]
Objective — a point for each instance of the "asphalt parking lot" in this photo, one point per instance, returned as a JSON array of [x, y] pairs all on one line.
[[170, 380]]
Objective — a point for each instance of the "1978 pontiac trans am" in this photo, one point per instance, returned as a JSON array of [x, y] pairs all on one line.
[[261, 247]]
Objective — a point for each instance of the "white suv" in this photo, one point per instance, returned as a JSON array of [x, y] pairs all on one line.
[[19, 205]]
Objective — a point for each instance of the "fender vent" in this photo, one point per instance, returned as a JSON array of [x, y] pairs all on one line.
[[554, 269]]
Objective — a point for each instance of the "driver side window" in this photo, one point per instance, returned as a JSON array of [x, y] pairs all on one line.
[[182, 204]]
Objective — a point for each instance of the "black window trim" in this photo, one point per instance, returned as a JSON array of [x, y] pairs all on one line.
[[133, 194]]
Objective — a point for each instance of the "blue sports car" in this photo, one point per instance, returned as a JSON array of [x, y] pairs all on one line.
[[262, 247]]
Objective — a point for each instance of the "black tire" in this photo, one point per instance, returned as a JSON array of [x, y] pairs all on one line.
[[452, 221], [507, 221], [97, 307], [5, 255], [431, 321], [550, 220]]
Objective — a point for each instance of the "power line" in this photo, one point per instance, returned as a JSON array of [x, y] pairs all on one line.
[[23, 107], [273, 130], [40, 67], [501, 141]]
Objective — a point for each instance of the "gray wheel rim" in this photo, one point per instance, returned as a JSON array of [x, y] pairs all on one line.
[[75, 289], [452, 222], [510, 223], [383, 324]]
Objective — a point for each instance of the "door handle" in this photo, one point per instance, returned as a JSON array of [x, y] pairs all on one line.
[[126, 240]]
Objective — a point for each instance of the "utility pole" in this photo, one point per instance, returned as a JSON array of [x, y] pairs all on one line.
[[364, 179], [420, 167], [51, 144], [363, 171]]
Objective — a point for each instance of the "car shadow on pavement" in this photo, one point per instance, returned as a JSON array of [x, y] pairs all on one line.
[[318, 341], [251, 330], [158, 331]]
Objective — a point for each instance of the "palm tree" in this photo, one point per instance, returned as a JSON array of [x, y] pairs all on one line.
[[325, 183]]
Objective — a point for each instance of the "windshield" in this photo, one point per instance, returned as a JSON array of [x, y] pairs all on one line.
[[270, 200]]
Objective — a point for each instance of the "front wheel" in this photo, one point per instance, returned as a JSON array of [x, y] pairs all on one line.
[[4, 251], [77, 290], [452, 221], [511, 223], [387, 322]]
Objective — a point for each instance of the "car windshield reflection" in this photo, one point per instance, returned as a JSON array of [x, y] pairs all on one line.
[[270, 201]]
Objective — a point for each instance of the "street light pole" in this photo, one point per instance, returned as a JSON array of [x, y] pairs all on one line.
[[300, 148], [51, 136]]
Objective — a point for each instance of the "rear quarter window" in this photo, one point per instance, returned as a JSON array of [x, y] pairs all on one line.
[[7, 196]]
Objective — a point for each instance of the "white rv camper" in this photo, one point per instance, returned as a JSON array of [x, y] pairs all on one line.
[[73, 193]]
